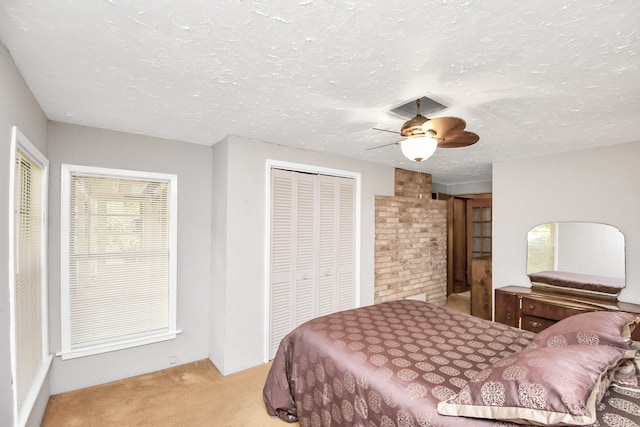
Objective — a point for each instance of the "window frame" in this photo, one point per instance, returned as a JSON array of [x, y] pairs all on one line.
[[22, 410], [67, 170]]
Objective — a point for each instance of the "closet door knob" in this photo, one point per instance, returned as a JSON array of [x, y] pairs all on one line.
[[305, 277]]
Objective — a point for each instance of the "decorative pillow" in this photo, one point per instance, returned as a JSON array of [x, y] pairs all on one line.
[[598, 327], [627, 374], [542, 386]]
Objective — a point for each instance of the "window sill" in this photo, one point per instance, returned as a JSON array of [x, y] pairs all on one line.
[[119, 345]]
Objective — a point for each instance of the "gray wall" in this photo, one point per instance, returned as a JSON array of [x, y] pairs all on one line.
[[192, 163], [221, 283], [220, 216], [595, 185], [239, 303], [17, 107]]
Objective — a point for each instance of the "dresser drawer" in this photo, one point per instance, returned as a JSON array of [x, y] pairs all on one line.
[[535, 310], [549, 309], [535, 324], [507, 308]]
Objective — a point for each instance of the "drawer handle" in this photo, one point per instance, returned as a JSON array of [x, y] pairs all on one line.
[[534, 324], [531, 306]]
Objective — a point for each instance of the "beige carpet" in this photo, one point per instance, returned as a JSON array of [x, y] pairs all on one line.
[[460, 302], [194, 394], [191, 395]]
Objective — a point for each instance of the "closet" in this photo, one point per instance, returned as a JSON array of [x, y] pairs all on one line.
[[312, 248]]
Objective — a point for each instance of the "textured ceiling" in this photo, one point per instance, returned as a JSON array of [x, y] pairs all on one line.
[[530, 78]]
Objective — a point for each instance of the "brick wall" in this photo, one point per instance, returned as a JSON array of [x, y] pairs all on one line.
[[410, 241], [413, 184]]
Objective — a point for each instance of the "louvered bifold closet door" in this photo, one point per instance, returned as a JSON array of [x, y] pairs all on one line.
[[328, 240], [293, 252], [336, 255], [282, 251], [312, 249], [306, 237], [346, 262]]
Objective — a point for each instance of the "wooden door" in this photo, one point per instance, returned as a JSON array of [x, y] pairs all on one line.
[[481, 287], [456, 243], [468, 224], [478, 230], [455, 240], [459, 265]]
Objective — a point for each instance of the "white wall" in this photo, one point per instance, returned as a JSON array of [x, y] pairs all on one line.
[[590, 248], [219, 218], [465, 188], [243, 311], [595, 185], [192, 163], [17, 107]]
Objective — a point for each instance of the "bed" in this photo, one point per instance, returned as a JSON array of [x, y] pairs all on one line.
[[393, 364]]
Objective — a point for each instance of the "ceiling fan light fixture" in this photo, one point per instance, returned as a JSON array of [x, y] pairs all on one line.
[[424, 135], [418, 148], [414, 126]]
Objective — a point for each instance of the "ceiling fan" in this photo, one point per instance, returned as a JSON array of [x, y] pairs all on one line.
[[423, 135]]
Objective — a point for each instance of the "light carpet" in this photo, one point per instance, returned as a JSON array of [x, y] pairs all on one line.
[[190, 395], [460, 302]]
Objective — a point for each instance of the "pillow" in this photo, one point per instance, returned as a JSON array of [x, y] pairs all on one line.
[[627, 374], [542, 386], [598, 327]]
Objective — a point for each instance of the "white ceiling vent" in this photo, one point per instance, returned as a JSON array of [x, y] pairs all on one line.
[[427, 106]]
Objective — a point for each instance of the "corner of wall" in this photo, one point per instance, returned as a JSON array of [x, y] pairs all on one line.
[[20, 108], [219, 217]]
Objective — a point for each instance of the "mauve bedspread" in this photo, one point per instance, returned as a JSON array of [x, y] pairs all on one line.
[[390, 364]]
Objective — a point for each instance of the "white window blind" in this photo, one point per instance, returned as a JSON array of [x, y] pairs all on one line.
[[28, 286], [28, 271], [120, 268]]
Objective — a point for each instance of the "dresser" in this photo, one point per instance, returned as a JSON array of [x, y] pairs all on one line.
[[535, 310]]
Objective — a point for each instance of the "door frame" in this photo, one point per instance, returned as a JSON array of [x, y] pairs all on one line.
[[318, 170], [468, 199]]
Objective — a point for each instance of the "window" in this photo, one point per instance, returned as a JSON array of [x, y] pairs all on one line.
[[28, 275], [541, 243], [118, 259]]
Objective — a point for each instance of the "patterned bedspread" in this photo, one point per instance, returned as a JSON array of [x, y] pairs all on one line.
[[390, 364]]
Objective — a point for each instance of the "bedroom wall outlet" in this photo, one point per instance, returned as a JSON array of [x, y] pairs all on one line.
[[172, 360]]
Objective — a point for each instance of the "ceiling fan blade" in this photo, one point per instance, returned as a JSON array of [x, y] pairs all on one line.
[[385, 130], [381, 146], [461, 139], [441, 127]]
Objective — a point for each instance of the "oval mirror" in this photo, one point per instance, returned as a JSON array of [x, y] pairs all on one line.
[[576, 250]]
